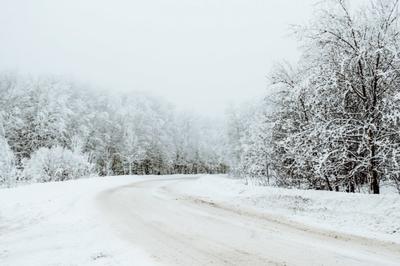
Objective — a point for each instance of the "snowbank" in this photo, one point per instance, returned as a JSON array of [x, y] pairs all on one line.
[[59, 224], [372, 216]]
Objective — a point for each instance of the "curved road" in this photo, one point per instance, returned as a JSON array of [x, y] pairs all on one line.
[[178, 230]]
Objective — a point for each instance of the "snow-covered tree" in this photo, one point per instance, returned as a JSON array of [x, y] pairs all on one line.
[[336, 119], [353, 69], [124, 134], [57, 164], [8, 171]]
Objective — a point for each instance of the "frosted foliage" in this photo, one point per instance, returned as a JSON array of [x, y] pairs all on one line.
[[7, 164], [124, 134], [56, 164], [335, 125]]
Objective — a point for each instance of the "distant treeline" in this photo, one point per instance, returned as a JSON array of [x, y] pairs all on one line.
[[51, 129]]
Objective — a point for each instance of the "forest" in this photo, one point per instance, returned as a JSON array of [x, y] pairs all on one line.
[[55, 130], [329, 122]]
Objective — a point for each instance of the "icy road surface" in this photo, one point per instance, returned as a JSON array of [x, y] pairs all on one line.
[[177, 229]]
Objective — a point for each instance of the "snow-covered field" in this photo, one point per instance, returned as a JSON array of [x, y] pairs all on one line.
[[59, 224], [371, 216]]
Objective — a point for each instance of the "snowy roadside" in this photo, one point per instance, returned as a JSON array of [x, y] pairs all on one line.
[[371, 216], [59, 224]]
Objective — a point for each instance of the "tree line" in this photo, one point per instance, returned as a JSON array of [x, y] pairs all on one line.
[[53, 129], [332, 121]]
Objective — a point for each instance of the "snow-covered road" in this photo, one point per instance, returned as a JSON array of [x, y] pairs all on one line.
[[59, 224], [195, 220], [177, 229]]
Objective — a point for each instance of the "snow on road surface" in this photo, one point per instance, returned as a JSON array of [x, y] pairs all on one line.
[[371, 216], [178, 220], [180, 229], [59, 224]]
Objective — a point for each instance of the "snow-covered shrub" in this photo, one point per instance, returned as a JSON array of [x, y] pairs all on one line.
[[57, 164], [7, 164]]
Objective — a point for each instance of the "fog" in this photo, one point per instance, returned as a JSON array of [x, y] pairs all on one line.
[[199, 55]]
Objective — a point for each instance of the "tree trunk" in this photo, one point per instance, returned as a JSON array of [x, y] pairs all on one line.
[[328, 184], [372, 171], [374, 185]]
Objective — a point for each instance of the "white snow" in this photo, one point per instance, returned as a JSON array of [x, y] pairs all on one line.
[[59, 224], [62, 224], [371, 216]]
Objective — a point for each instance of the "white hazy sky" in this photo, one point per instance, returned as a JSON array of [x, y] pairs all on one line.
[[198, 54]]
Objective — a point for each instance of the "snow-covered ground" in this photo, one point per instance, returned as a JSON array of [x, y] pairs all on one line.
[[188, 221], [59, 224], [371, 216]]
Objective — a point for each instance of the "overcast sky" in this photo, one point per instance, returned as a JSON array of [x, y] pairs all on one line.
[[198, 54]]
